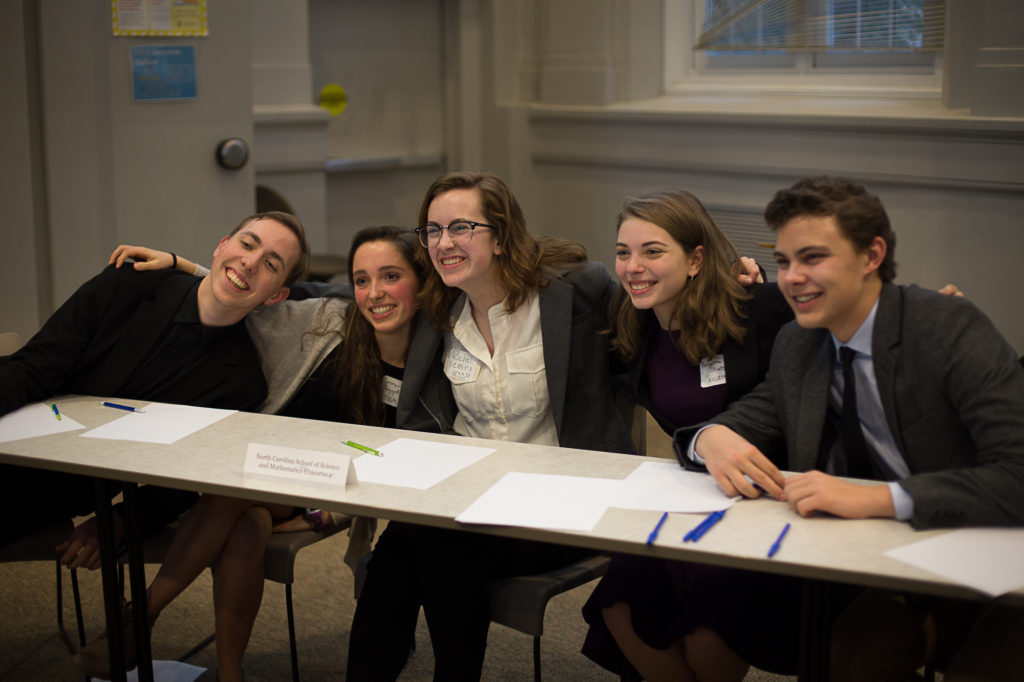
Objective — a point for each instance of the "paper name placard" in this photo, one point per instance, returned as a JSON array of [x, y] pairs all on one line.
[[310, 466]]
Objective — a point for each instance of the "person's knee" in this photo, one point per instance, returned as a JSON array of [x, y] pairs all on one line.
[[618, 617], [711, 658], [248, 537], [992, 649], [879, 636]]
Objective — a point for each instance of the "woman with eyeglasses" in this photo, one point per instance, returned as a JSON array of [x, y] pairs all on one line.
[[527, 361]]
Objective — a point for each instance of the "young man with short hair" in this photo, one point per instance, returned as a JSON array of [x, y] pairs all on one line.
[[161, 336], [939, 414]]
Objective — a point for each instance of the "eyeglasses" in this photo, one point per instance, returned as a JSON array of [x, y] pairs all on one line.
[[459, 231]]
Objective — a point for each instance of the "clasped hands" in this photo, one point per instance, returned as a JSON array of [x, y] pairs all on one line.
[[734, 462]]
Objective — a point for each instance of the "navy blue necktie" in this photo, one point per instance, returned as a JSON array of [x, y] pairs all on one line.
[[855, 448]]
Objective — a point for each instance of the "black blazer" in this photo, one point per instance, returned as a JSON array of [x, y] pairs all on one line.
[[103, 332], [746, 362], [94, 342]]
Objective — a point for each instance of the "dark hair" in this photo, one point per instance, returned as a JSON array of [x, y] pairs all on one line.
[[859, 213], [358, 375], [523, 258], [301, 267], [710, 306]]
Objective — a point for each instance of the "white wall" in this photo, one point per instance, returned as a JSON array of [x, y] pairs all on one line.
[[25, 275], [446, 84], [952, 180], [388, 144]]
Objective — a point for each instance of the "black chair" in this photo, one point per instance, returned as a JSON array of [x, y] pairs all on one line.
[[520, 602], [279, 566], [39, 547]]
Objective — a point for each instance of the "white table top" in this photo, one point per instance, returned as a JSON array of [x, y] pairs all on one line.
[[211, 460]]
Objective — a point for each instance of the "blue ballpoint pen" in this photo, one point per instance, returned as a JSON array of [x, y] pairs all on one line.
[[657, 528], [711, 520], [778, 542], [118, 406], [698, 530], [693, 531]]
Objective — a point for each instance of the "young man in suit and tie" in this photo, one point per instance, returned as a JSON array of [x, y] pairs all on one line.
[[159, 335], [876, 381]]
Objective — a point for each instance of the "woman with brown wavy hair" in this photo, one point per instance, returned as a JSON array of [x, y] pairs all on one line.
[[694, 340], [525, 354]]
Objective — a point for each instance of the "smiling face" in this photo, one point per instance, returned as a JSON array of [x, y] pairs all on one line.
[[385, 288], [827, 281], [249, 268], [653, 267], [465, 264]]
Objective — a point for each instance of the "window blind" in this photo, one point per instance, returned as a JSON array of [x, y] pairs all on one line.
[[823, 25]]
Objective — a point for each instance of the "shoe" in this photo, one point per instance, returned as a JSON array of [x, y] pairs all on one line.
[[94, 658]]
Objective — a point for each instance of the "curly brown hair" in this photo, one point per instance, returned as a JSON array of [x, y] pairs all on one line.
[[859, 213], [525, 261]]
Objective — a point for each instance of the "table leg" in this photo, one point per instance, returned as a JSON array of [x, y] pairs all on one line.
[[108, 567], [815, 631], [137, 568]]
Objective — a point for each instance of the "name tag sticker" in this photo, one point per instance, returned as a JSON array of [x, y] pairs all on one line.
[[392, 387], [331, 469], [461, 365], [712, 371]]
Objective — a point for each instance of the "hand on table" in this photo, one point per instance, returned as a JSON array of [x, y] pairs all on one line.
[[731, 458], [815, 491]]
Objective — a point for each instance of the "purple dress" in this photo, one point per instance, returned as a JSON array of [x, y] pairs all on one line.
[[669, 599]]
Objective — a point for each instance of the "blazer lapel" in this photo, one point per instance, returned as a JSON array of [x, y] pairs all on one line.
[[813, 405], [885, 342], [556, 332], [422, 350]]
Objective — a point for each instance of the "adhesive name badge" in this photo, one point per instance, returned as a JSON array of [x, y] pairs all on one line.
[[460, 365], [331, 469], [392, 387], [712, 371]]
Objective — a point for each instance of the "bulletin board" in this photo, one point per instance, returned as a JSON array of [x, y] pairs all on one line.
[[163, 18]]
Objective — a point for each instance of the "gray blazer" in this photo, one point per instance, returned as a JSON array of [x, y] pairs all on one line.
[[953, 394]]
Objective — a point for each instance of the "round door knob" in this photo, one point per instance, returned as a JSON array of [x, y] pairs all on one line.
[[232, 153]]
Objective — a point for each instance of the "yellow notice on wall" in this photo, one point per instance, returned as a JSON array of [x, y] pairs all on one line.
[[333, 98], [164, 18]]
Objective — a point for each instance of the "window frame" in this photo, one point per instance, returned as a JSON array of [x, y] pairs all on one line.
[[693, 72]]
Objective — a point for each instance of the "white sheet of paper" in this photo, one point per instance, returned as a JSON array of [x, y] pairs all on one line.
[[990, 560], [34, 420], [543, 501], [412, 463], [160, 423], [665, 486], [168, 671]]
